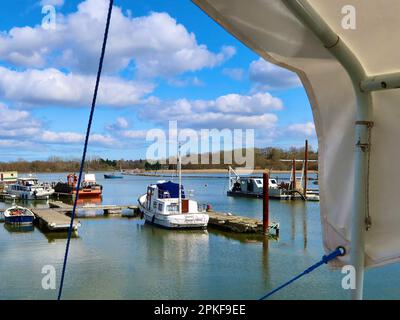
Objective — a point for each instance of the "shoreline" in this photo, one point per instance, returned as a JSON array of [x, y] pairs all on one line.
[[221, 171], [173, 171]]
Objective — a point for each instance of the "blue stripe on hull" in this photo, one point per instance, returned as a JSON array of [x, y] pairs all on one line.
[[19, 220]]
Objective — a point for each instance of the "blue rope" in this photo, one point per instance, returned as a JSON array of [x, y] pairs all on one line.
[[340, 251], [85, 146]]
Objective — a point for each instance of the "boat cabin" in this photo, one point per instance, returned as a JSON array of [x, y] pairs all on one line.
[[8, 177], [163, 198], [24, 184], [253, 185]]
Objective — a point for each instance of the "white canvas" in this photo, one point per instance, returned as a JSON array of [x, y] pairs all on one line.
[[270, 29]]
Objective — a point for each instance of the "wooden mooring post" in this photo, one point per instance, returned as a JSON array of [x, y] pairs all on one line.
[[305, 169], [293, 187], [265, 203]]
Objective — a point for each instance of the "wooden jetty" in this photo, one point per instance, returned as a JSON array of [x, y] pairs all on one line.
[[53, 220], [222, 221], [107, 209], [239, 224]]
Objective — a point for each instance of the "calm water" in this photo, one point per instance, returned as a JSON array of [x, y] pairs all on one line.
[[121, 258]]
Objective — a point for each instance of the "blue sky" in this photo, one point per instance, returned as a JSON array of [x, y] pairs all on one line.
[[165, 60]]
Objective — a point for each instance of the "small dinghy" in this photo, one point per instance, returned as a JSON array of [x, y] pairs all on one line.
[[112, 176], [18, 216]]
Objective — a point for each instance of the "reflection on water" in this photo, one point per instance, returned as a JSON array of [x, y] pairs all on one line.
[[59, 236], [265, 262], [243, 237], [18, 228], [123, 258]]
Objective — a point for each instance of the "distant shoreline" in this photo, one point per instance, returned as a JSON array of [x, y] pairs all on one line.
[[184, 171], [238, 170]]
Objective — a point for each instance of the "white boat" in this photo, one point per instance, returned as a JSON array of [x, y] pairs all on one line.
[[29, 189], [252, 187], [160, 206], [18, 216], [165, 204]]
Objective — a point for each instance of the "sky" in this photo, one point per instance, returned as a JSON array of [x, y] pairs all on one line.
[[165, 61]]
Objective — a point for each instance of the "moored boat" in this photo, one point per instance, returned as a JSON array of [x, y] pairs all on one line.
[[88, 189], [165, 204], [161, 206], [17, 215], [252, 187], [112, 176], [29, 189]]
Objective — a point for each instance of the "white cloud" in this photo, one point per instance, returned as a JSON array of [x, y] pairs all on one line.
[[187, 81], [302, 129], [134, 134], [267, 76], [23, 129], [56, 3], [254, 104], [228, 111], [122, 123], [120, 128], [119, 124], [156, 43], [52, 87], [233, 73]]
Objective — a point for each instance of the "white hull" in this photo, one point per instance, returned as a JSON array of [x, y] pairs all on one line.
[[31, 195], [173, 221]]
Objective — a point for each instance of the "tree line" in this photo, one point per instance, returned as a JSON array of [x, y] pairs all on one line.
[[264, 158]]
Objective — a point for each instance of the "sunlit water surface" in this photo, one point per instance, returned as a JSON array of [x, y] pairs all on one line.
[[122, 258]]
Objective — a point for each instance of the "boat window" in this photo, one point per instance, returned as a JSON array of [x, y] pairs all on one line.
[[160, 207], [154, 205], [172, 208], [273, 181]]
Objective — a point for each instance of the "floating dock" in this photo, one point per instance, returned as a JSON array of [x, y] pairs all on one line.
[[53, 220], [223, 221], [239, 224], [107, 209]]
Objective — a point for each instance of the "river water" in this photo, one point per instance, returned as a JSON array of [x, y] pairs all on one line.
[[123, 258]]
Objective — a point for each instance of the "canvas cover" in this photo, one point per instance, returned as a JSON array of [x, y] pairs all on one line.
[[172, 188], [271, 30]]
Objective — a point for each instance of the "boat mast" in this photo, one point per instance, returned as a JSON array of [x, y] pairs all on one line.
[[180, 178]]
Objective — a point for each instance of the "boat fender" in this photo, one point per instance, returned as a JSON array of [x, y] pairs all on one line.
[[152, 219]]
